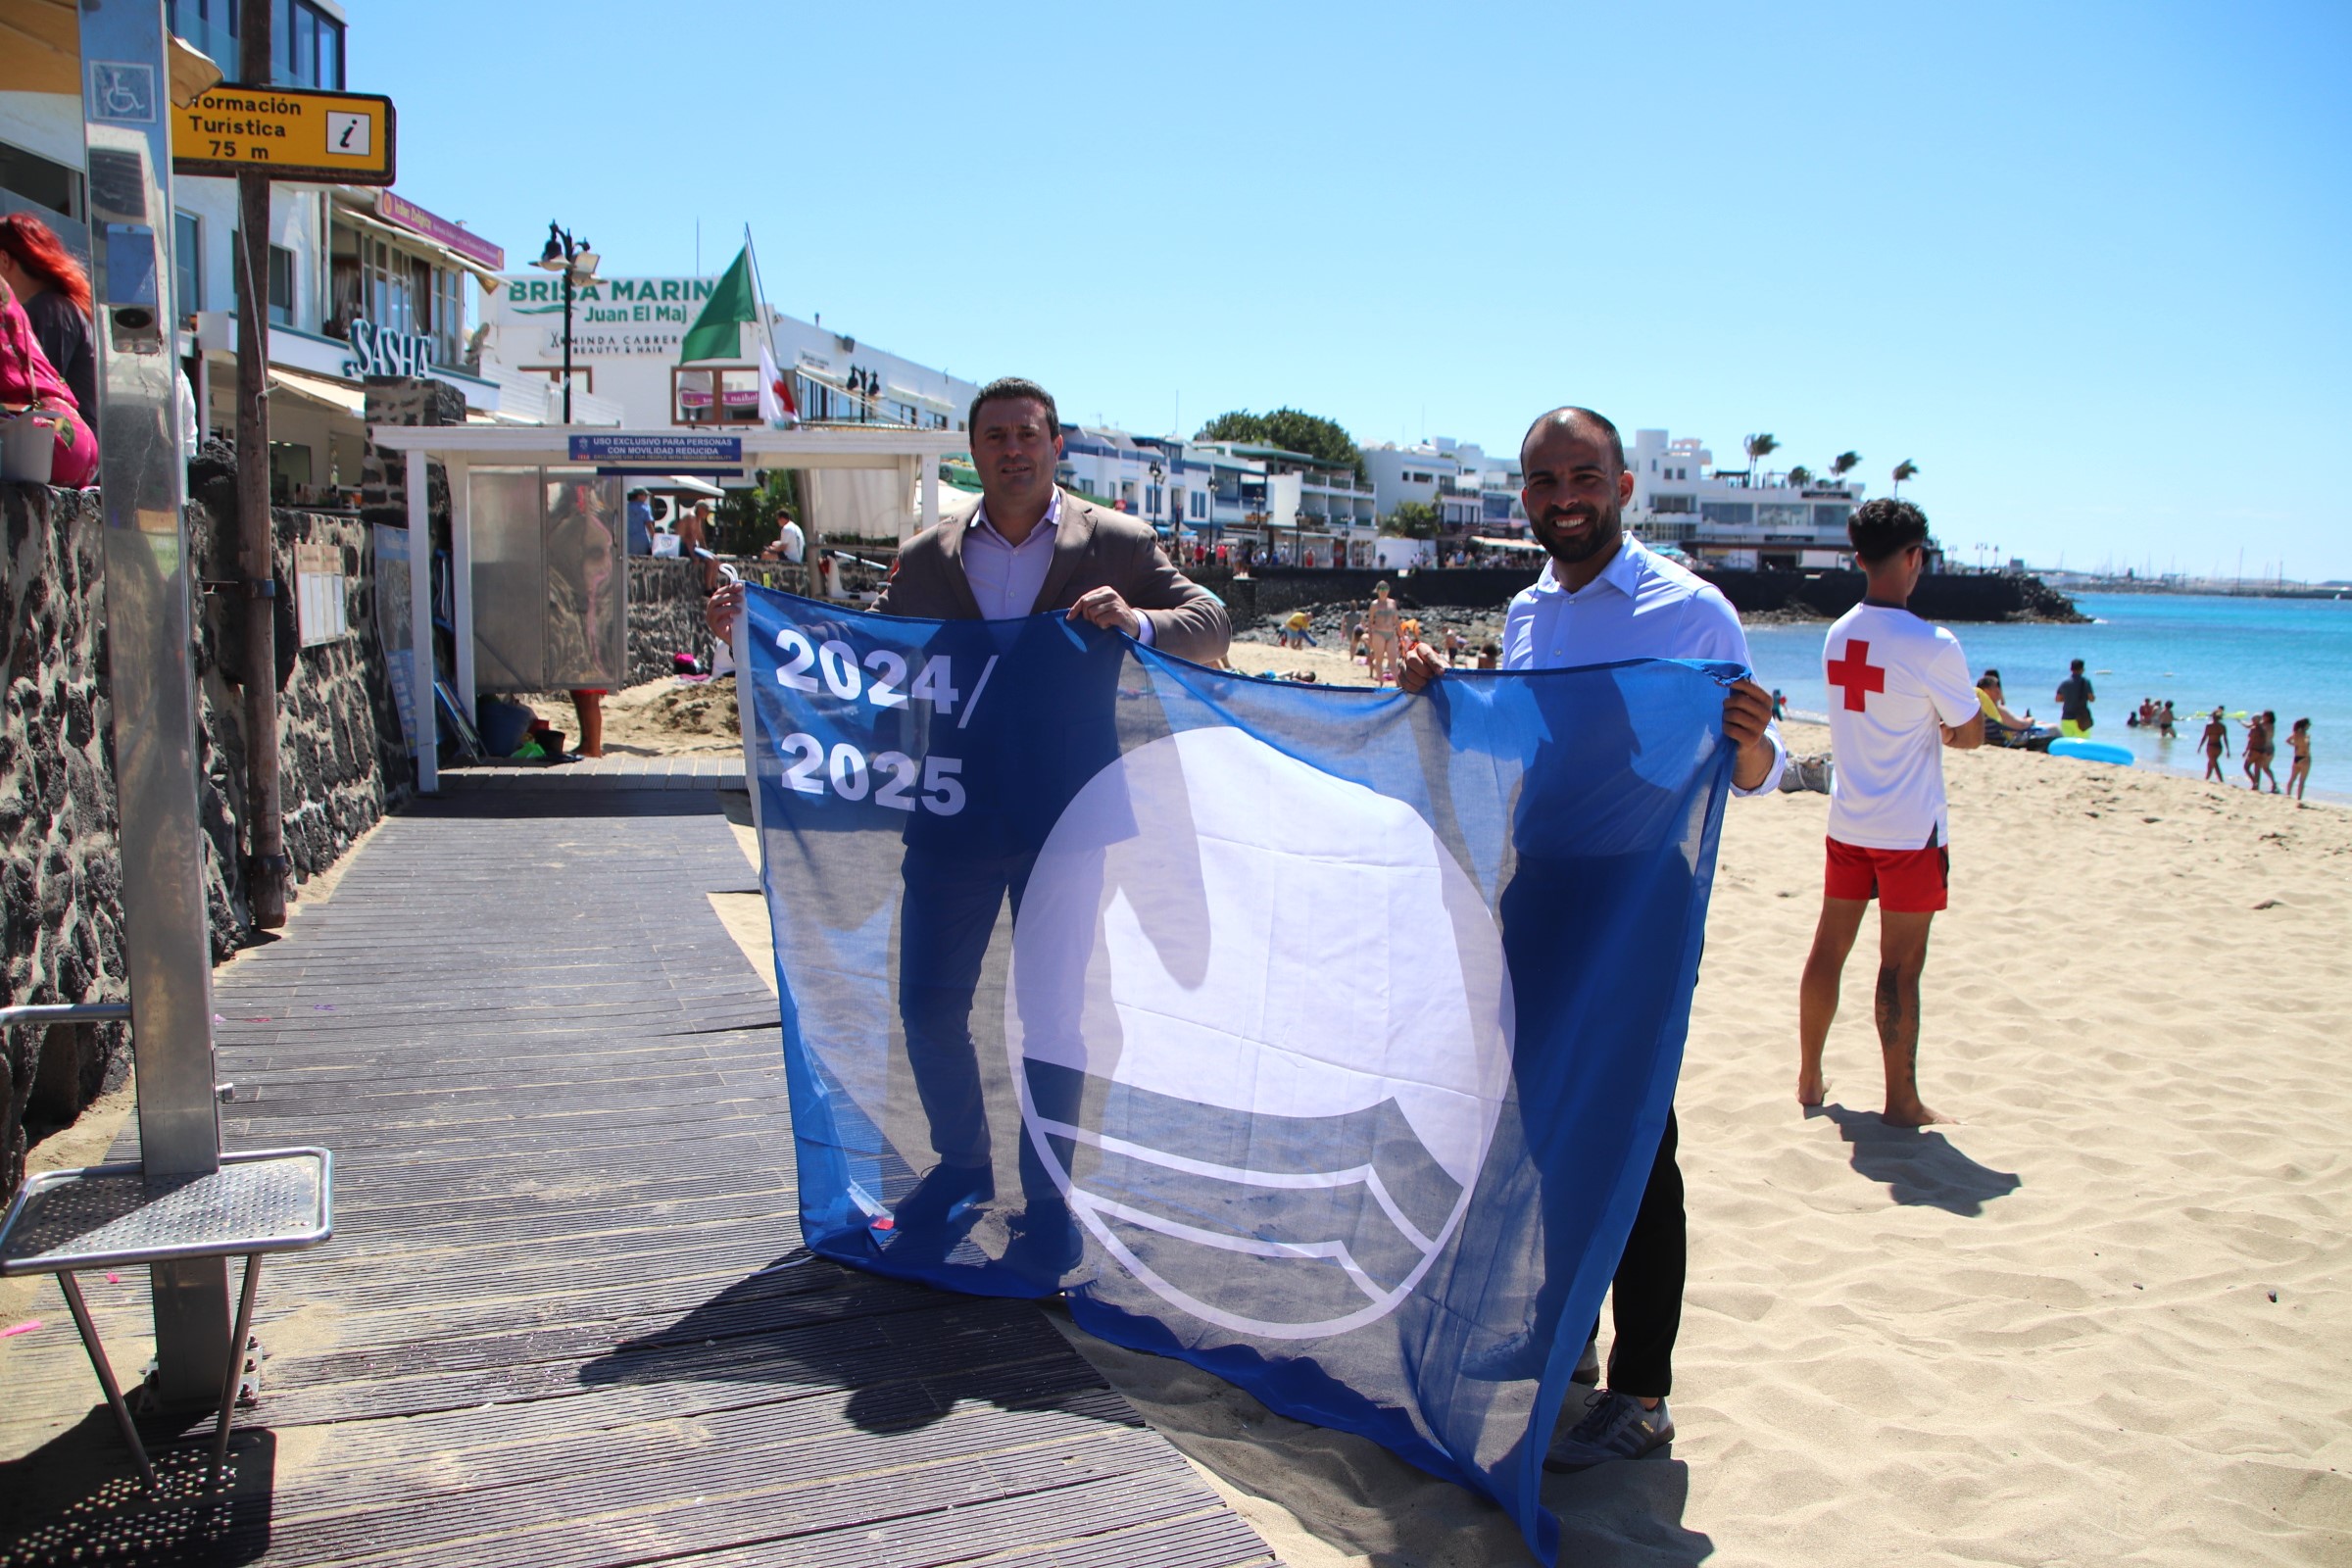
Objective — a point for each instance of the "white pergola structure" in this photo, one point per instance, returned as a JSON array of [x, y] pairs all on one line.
[[915, 454]]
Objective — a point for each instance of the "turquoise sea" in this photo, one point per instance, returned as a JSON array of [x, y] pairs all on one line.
[[2293, 655]]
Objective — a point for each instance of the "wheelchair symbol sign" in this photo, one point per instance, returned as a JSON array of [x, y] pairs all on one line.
[[121, 89]]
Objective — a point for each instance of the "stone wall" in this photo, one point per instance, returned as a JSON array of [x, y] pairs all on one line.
[[1941, 596], [665, 616], [384, 472], [342, 761], [61, 936], [342, 765]]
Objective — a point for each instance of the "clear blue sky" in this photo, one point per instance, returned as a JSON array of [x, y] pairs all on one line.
[[2086, 265]]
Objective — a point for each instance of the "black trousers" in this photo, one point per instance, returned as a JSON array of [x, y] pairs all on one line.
[[1540, 922], [1645, 1303]]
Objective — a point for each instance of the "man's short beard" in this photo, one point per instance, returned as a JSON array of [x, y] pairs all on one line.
[[1606, 533]]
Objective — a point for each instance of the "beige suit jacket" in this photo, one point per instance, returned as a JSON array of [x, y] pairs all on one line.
[[1092, 549]]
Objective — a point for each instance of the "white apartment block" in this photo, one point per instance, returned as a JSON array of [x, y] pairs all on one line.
[[1474, 493], [1735, 517]]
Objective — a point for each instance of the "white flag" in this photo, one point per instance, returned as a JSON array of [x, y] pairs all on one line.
[[775, 396]]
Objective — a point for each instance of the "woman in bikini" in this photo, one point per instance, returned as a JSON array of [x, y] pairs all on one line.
[[1382, 622], [2298, 773], [2216, 746], [2260, 747]]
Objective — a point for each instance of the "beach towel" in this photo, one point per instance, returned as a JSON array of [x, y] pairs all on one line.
[[1046, 1029]]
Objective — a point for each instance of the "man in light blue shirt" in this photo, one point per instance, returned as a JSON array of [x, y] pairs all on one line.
[[640, 524], [1604, 597]]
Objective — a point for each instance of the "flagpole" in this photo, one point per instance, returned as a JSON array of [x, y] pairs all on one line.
[[759, 293], [797, 583]]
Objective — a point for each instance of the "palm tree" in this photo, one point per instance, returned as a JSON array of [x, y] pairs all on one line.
[[1759, 447], [1801, 477], [1843, 464], [1904, 469]]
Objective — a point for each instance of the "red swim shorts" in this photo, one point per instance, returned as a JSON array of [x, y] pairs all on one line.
[[1903, 881]]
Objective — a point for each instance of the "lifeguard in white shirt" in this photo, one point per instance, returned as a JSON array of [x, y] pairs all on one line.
[[1899, 693]]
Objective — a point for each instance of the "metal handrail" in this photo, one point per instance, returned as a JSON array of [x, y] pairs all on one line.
[[66, 1012]]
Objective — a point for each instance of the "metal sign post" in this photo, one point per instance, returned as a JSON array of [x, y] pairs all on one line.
[[143, 479]]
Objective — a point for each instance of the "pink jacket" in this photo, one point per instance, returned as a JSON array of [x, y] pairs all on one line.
[[26, 377]]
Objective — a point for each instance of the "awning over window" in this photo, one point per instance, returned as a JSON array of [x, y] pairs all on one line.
[[415, 244], [921, 400], [319, 389]]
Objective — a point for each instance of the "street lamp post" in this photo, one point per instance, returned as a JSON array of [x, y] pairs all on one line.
[[577, 263]]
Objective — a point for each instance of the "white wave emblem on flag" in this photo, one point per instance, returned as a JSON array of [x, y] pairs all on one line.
[[1260, 1025]]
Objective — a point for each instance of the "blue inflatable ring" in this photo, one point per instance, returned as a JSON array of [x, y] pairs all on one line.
[[2093, 752]]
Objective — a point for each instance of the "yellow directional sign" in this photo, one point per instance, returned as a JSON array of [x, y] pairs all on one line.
[[330, 138]]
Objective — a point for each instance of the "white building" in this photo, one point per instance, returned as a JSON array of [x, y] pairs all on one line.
[[1473, 493], [626, 334], [1291, 505], [1735, 517]]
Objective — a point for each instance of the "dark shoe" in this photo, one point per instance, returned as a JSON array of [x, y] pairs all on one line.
[[1588, 1365], [1045, 1245], [1615, 1426], [942, 1196]]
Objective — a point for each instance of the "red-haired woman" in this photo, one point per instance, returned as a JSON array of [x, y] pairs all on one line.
[[30, 388], [56, 295]]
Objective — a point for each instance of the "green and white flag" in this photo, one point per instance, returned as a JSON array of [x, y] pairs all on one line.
[[714, 334]]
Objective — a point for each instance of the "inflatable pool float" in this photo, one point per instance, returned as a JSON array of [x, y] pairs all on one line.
[[2093, 752]]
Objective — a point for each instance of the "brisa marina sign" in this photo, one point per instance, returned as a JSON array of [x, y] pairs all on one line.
[[377, 352]]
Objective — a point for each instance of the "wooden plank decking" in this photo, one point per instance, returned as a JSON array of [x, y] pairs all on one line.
[[566, 1320]]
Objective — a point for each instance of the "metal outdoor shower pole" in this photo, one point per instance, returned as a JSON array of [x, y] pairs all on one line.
[[166, 939]]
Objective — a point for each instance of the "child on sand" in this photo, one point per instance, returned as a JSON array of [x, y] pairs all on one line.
[[2298, 772], [1898, 693]]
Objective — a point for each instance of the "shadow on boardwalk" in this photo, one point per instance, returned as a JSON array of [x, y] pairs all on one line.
[[565, 1319]]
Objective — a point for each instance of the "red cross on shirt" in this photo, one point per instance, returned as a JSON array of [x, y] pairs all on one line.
[[1857, 674]]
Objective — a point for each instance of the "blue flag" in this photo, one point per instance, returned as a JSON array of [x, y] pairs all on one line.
[[1320, 1038]]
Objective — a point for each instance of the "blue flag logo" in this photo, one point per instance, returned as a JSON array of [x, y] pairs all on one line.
[[1321, 1038], [1271, 1148]]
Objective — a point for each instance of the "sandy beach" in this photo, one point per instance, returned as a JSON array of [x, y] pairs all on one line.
[[2106, 1315]]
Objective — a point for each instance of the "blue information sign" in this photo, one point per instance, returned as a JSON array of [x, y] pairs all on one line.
[[659, 448]]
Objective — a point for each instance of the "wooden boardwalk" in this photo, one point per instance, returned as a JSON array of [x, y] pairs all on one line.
[[565, 1319]]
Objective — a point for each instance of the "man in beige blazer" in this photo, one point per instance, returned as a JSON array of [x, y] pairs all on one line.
[[1029, 547]]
